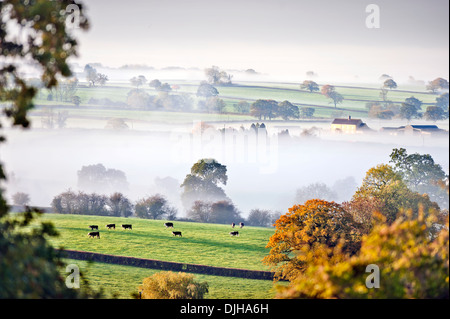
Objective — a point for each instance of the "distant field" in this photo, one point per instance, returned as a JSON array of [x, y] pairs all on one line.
[[354, 102]]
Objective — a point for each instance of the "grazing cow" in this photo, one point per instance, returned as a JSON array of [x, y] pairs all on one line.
[[93, 227], [176, 233], [126, 226], [93, 234], [234, 233], [232, 225], [109, 226], [168, 225], [241, 225]]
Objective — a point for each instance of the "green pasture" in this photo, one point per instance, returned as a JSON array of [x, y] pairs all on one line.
[[121, 281], [205, 244]]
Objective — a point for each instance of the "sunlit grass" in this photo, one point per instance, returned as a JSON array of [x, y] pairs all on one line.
[[206, 244], [123, 281]]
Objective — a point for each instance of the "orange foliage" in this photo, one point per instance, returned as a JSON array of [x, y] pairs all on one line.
[[304, 226], [412, 259]]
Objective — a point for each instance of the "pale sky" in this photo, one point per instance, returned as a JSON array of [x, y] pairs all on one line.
[[287, 37]]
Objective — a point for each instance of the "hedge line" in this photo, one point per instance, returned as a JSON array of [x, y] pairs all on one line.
[[167, 265]]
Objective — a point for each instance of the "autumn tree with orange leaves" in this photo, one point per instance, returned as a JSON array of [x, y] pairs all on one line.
[[316, 221], [412, 258]]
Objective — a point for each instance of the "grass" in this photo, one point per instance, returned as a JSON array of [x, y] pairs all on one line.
[[122, 281], [206, 244]]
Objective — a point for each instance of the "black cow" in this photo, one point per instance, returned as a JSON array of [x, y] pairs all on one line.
[[93, 227], [241, 225], [232, 225], [109, 226], [93, 234], [176, 233], [234, 233], [168, 225], [126, 226]]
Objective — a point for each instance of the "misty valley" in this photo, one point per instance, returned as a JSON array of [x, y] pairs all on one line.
[[44, 163], [224, 150]]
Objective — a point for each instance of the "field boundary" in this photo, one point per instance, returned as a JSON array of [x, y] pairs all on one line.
[[167, 265]]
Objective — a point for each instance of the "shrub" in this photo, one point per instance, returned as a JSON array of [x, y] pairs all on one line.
[[170, 285]]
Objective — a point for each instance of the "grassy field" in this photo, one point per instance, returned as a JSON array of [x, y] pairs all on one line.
[[121, 281], [354, 102], [207, 244]]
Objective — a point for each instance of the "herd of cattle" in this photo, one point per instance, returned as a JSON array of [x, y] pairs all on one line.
[[96, 234]]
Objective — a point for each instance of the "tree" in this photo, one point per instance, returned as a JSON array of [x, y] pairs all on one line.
[[408, 111], [437, 84], [200, 212], [330, 92], [155, 83], [154, 207], [421, 174], [415, 102], [21, 199], [165, 87], [203, 183], [442, 101], [314, 222], [65, 91], [435, 113], [260, 217], [207, 90], [139, 99], [311, 86], [287, 110], [411, 264], [378, 111], [314, 191], [307, 112], [390, 84], [80, 203], [93, 77], [217, 77], [387, 192], [138, 81], [242, 107], [76, 100], [170, 285], [264, 109], [119, 205], [212, 104], [224, 212], [29, 266], [116, 124], [98, 178]]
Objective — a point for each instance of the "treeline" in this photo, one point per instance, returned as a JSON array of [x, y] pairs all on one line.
[[157, 207], [117, 204]]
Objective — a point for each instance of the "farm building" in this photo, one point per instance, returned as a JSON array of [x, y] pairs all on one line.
[[413, 130], [349, 125]]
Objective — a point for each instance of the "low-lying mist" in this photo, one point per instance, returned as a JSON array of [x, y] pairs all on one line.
[[264, 171]]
